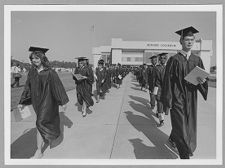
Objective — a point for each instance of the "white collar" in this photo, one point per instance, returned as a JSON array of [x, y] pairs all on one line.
[[186, 54]]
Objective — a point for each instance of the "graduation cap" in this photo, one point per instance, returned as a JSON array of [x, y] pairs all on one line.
[[33, 49], [154, 56], [81, 58], [189, 31], [101, 61], [161, 54]]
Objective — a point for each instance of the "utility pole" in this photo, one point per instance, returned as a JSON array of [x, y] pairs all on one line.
[[92, 38]]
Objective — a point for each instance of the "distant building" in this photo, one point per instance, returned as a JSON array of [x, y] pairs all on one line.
[[138, 52]]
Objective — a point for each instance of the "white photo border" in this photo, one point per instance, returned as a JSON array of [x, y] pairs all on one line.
[[120, 8]]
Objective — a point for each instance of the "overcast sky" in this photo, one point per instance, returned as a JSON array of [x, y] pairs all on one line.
[[70, 34]]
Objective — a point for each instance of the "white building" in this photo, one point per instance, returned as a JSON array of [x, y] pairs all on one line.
[[138, 52]]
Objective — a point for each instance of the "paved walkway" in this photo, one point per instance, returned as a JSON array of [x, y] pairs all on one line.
[[120, 127]]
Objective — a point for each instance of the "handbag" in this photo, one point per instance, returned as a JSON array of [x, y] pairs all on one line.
[[24, 113]]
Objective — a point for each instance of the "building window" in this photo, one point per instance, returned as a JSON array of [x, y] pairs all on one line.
[[138, 59], [124, 59]]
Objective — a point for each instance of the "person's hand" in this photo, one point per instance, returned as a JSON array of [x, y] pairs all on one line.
[[64, 107], [201, 80], [20, 107]]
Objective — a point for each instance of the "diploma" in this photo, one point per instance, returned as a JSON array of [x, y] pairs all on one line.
[[79, 76], [195, 74]]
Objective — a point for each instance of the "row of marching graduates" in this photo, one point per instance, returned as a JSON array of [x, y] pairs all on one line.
[[104, 76], [151, 77]]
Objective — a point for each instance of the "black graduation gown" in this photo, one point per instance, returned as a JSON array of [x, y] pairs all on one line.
[[159, 77], [108, 78], [113, 74], [83, 86], [145, 77], [151, 77], [91, 81], [140, 76], [101, 75], [118, 71], [181, 97], [45, 91]]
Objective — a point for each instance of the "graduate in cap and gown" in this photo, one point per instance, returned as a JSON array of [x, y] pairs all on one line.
[[145, 76], [118, 75], [140, 76], [159, 77], [151, 79], [108, 76], [181, 96], [45, 91], [101, 76], [90, 83], [113, 71], [83, 85]]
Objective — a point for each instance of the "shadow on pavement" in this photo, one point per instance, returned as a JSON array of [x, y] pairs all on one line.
[[26, 145], [135, 88], [139, 89], [79, 107], [136, 85], [144, 107], [156, 136], [20, 86]]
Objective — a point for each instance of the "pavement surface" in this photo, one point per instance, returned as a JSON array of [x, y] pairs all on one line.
[[122, 126]]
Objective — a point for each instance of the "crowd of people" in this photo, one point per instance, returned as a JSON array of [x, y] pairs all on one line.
[[16, 73], [164, 79], [105, 76], [151, 77]]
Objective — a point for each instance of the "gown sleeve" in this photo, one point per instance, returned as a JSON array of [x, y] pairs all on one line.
[[149, 77], [75, 72], [166, 88], [104, 75], [156, 77], [58, 89], [203, 88], [26, 95], [90, 76]]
